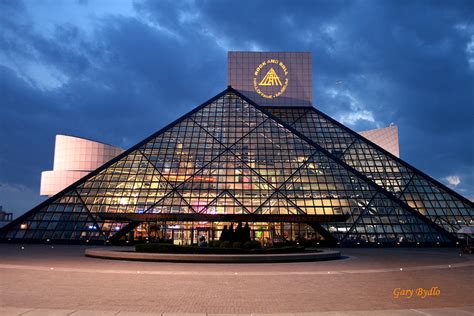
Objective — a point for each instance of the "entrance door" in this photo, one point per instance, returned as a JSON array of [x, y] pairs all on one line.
[[178, 236], [263, 236], [201, 231]]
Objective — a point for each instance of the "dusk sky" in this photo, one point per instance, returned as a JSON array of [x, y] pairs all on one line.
[[117, 71]]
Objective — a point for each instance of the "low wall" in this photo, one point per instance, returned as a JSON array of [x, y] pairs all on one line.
[[119, 254]]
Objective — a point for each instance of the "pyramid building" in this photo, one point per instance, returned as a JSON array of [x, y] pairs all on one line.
[[286, 169]]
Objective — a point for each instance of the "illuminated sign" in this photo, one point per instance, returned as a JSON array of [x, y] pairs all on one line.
[[270, 79]]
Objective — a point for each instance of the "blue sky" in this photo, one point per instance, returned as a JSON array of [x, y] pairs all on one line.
[[117, 71]]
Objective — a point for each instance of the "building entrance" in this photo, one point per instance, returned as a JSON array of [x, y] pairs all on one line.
[[189, 233]]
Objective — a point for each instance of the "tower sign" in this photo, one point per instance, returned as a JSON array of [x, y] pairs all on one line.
[[271, 78], [271, 85]]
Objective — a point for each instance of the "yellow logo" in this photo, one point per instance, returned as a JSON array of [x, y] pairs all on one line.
[[271, 85], [270, 79]]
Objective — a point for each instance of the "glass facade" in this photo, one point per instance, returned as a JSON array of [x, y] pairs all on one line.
[[415, 189], [229, 157]]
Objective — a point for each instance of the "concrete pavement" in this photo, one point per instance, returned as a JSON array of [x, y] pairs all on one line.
[[460, 311], [39, 279]]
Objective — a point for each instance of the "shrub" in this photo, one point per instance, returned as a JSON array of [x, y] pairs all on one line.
[[254, 244], [215, 243], [225, 244], [225, 248], [284, 244], [165, 248], [237, 244], [287, 249]]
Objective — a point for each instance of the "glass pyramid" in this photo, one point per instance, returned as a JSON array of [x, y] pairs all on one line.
[[231, 159]]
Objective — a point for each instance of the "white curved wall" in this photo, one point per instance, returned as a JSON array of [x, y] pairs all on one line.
[[74, 158], [54, 181], [74, 153]]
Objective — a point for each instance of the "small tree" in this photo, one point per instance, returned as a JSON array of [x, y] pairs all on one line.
[[224, 234], [246, 233], [231, 237], [239, 233]]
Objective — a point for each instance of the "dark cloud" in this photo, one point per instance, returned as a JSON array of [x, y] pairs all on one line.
[[118, 78]]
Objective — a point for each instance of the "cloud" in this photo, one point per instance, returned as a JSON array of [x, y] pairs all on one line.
[[470, 52], [117, 73], [453, 180], [356, 110], [467, 30], [17, 198]]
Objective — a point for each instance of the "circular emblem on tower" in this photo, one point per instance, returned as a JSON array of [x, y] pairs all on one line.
[[270, 79]]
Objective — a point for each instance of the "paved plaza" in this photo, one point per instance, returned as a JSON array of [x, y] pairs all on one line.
[[60, 280]]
